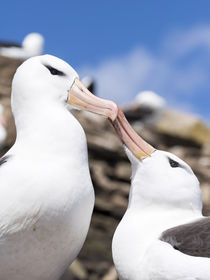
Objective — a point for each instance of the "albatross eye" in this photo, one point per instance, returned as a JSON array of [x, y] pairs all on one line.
[[54, 71], [173, 163]]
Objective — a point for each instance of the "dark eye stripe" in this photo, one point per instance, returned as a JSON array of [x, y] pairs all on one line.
[[4, 159], [173, 163], [54, 71]]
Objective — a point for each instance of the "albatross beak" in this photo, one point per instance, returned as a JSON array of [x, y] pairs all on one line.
[[140, 148], [81, 97]]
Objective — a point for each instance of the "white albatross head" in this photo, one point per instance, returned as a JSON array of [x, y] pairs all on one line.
[[150, 99], [42, 82], [33, 44], [158, 178], [42, 78], [163, 179]]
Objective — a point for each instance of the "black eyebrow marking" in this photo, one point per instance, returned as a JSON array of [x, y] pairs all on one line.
[[173, 163], [4, 159], [180, 165], [54, 71]]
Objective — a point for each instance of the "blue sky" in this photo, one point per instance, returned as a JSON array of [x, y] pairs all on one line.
[[128, 46]]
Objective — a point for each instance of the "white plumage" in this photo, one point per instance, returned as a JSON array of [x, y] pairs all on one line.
[[47, 195], [164, 195]]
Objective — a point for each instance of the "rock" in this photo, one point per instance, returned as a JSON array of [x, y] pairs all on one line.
[[8, 67], [78, 270], [206, 150], [75, 271], [206, 194], [204, 161], [111, 274], [185, 126], [123, 171]]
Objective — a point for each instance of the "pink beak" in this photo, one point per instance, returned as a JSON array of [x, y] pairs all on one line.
[[81, 97]]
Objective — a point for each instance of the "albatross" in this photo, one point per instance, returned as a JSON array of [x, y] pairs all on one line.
[[32, 45], [46, 193], [163, 235], [147, 108]]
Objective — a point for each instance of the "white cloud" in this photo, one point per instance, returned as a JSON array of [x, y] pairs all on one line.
[[178, 71], [183, 42]]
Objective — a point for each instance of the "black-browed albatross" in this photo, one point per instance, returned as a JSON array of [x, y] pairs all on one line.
[[47, 195], [163, 235]]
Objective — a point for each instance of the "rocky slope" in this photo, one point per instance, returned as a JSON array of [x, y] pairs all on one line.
[[179, 133]]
